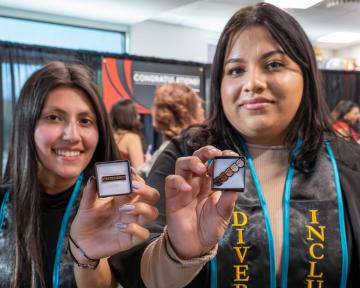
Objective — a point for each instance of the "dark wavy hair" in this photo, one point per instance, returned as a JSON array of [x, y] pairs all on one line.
[[311, 120], [22, 166]]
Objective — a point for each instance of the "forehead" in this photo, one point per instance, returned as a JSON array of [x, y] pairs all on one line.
[[68, 99], [249, 40]]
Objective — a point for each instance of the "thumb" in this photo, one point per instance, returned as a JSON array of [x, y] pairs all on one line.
[[89, 195], [226, 204]]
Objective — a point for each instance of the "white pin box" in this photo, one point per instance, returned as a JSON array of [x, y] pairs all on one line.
[[113, 178], [229, 173]]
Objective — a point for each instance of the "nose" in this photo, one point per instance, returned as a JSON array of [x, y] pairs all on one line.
[[71, 132], [255, 81]]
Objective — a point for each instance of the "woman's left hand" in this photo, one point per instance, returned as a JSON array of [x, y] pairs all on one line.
[[105, 226]]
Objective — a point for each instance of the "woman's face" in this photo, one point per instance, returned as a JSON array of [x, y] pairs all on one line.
[[66, 136], [353, 115], [261, 88]]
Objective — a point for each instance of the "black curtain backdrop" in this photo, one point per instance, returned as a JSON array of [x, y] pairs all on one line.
[[341, 85]]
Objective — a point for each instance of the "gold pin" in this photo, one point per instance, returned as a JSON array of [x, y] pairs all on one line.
[[113, 178]]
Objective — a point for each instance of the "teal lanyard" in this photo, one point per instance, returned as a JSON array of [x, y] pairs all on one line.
[[3, 208], [62, 229], [62, 232], [287, 188]]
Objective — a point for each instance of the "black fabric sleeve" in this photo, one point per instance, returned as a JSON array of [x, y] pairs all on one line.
[[348, 160], [163, 167], [126, 266]]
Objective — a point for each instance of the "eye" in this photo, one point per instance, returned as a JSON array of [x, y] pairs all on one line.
[[273, 65], [236, 71], [52, 118], [87, 122]]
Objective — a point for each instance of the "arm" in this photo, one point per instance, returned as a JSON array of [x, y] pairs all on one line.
[[134, 146], [175, 258], [106, 226]]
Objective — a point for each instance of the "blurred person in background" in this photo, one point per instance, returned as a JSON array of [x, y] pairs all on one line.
[[125, 121], [175, 107], [346, 116]]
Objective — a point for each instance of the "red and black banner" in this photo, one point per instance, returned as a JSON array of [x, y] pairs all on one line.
[[137, 80]]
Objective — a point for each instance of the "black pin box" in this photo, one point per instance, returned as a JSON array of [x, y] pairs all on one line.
[[113, 178], [229, 173]]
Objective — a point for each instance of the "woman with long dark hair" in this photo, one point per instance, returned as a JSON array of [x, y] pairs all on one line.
[[296, 223], [49, 200], [125, 121]]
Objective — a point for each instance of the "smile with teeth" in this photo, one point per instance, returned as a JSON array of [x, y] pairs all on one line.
[[67, 153]]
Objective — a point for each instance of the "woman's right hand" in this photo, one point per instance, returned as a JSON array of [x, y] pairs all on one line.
[[106, 226], [196, 215]]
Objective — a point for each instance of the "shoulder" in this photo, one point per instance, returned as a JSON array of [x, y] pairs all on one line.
[[346, 153], [131, 136]]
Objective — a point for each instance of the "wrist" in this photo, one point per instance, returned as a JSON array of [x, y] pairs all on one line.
[[80, 258], [186, 254]]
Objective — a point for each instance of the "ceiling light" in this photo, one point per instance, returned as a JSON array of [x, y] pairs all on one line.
[[333, 3], [340, 37], [293, 4]]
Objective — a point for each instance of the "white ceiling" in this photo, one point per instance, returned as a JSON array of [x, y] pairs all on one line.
[[207, 14]]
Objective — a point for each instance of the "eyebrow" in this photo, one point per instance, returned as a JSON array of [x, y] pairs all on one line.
[[264, 56], [62, 111]]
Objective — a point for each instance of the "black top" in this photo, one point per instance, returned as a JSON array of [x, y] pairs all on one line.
[[347, 155], [52, 211]]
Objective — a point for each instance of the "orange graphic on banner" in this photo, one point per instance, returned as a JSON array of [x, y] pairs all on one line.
[[113, 89]]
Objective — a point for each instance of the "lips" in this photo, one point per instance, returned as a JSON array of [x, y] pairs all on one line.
[[256, 103], [67, 153]]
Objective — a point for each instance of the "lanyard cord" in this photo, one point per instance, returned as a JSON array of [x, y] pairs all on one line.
[[3, 207], [62, 232]]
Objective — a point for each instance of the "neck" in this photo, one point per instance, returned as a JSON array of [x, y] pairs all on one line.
[[56, 186], [265, 141]]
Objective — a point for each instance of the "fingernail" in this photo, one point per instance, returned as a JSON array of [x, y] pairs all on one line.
[[213, 150], [136, 184], [121, 225], [126, 208], [89, 181], [185, 186]]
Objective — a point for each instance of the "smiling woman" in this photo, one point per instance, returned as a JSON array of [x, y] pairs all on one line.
[[295, 223], [60, 130]]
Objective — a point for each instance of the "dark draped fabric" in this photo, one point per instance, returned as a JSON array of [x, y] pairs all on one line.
[[17, 62], [341, 85]]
